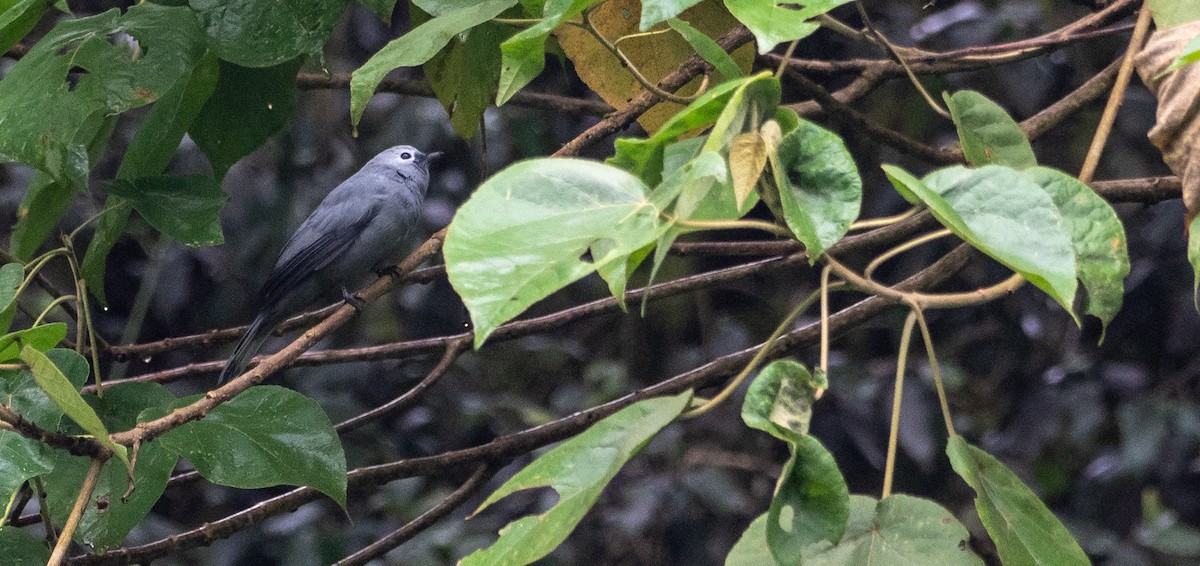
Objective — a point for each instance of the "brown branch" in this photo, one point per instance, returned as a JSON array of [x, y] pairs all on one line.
[[453, 349], [76, 445]]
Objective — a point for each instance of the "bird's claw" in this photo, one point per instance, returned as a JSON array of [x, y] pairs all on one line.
[[353, 300], [391, 270]]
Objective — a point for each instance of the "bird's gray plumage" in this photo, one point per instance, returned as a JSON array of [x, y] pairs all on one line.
[[361, 225]]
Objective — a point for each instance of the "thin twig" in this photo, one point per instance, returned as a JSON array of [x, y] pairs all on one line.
[[1114, 101], [81, 501]]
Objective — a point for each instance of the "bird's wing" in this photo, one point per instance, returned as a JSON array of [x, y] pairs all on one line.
[[299, 266]]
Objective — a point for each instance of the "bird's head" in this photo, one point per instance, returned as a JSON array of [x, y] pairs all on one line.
[[404, 161]]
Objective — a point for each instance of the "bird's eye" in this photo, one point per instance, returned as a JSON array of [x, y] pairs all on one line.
[[406, 155]]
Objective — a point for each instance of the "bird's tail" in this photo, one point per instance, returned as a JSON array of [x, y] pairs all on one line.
[[251, 342]]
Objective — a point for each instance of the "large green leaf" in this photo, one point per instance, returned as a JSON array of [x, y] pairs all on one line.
[[263, 33], [1101, 255], [42, 112], [523, 55], [65, 394], [1003, 214], [1024, 530], [21, 548], [578, 470], [772, 23], [108, 516], [900, 529], [41, 338], [17, 18], [751, 548], [707, 48], [988, 134], [417, 47], [185, 207], [148, 154], [811, 501], [465, 77], [525, 233], [266, 436], [819, 187], [24, 458], [247, 107]]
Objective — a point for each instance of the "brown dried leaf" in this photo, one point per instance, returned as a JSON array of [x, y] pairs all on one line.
[[654, 55], [1176, 130], [747, 158]]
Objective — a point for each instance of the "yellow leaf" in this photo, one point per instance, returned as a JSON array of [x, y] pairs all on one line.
[[654, 55], [747, 158]]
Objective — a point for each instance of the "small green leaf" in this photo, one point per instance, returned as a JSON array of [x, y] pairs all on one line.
[[245, 109], [820, 190], [706, 47], [1003, 214], [22, 549], [1024, 530], [811, 503], [417, 47], [525, 233], [25, 458], [1101, 255], [263, 33], [17, 18], [780, 400], [989, 135], [751, 548], [523, 55], [42, 338], [1190, 54], [656, 11], [465, 77], [1193, 255], [185, 207], [773, 23], [66, 395], [11, 276], [900, 529], [108, 517], [266, 436], [578, 470]]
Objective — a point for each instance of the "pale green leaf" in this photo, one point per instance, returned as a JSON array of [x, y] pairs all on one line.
[[988, 134], [820, 190]]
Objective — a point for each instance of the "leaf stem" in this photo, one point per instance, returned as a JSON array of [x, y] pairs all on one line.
[[52, 304], [889, 467], [928, 300], [891, 49], [875, 263], [735, 225], [628, 64], [824, 364], [936, 369], [884, 221]]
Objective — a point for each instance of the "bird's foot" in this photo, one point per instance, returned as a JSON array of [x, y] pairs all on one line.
[[389, 270], [353, 300]]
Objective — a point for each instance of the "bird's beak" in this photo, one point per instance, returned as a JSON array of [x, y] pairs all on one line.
[[434, 156]]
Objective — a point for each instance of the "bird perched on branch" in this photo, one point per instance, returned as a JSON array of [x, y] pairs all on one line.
[[361, 225]]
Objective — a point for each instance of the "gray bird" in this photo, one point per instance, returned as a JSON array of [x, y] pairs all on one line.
[[361, 226]]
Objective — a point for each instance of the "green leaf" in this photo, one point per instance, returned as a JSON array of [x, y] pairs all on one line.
[[417, 47], [656, 11], [900, 529], [266, 436], [751, 104], [780, 399], [17, 18], [523, 55], [1170, 13], [148, 154], [1190, 54], [465, 78], [578, 470], [25, 458], [644, 157], [523, 234], [108, 517], [819, 187], [1003, 214], [706, 47], [773, 24], [1024, 530], [811, 503], [185, 207], [247, 107], [381, 8], [22, 549], [989, 135], [41, 338], [42, 113], [66, 395], [264, 33], [11, 277], [1101, 254], [1193, 255], [751, 548]]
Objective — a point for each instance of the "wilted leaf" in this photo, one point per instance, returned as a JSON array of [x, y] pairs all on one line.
[[747, 159], [654, 56]]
